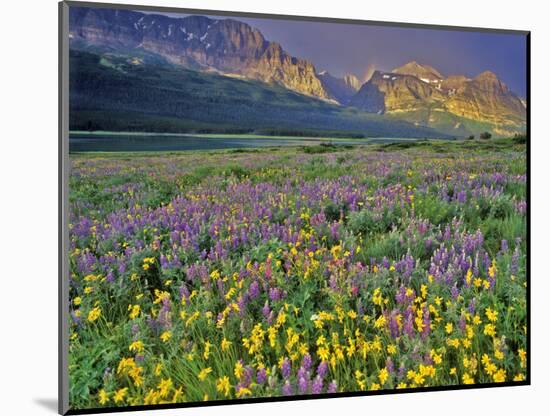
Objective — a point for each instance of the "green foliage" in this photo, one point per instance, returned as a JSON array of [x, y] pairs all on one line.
[[485, 135]]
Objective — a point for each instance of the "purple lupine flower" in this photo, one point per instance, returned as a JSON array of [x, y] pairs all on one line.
[[287, 389], [317, 385], [303, 385], [265, 310], [254, 290], [286, 368], [274, 293], [408, 325], [261, 376], [504, 246], [184, 294], [268, 269], [332, 387], [306, 361], [394, 325], [454, 292], [472, 306], [389, 365], [462, 323], [248, 374], [322, 369]]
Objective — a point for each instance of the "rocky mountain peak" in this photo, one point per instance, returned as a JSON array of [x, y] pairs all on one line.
[[421, 71], [487, 75], [352, 81]]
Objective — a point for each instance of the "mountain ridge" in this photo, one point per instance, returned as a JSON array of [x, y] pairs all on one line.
[[414, 92]]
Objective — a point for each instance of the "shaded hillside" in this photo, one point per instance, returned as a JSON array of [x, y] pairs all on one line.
[[139, 93]]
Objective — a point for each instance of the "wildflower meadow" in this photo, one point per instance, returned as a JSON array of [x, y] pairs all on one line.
[[290, 271]]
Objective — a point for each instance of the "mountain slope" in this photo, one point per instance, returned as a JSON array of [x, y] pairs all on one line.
[[114, 92], [456, 105], [415, 93], [196, 42]]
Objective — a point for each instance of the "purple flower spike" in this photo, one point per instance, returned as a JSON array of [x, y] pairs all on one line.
[[286, 368], [306, 361], [322, 369], [287, 389], [303, 385], [261, 376], [317, 385]]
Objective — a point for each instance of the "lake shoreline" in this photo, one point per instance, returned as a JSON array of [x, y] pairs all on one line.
[[81, 142]]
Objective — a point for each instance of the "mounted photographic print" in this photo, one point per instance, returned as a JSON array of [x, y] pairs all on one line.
[[262, 207]]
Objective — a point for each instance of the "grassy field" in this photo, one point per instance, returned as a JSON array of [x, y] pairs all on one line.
[[290, 271]]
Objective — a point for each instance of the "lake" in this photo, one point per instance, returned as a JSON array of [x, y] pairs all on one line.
[[117, 142]]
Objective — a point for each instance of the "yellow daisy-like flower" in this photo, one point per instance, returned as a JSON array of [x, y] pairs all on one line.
[[491, 314], [94, 314], [467, 379], [383, 376], [103, 397], [204, 373], [225, 344], [165, 336], [500, 376], [135, 310], [136, 346], [223, 385], [119, 395]]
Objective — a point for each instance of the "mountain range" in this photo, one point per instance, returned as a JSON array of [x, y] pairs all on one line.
[[416, 96]]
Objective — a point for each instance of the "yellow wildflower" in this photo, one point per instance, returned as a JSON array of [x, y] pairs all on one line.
[[491, 314], [94, 314], [223, 385], [238, 369], [136, 346], [225, 344], [119, 395], [103, 397], [383, 376], [500, 376], [467, 379], [204, 373]]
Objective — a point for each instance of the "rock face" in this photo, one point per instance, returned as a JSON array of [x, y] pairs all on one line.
[[422, 93], [198, 42], [489, 99], [394, 92], [424, 72], [341, 89]]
